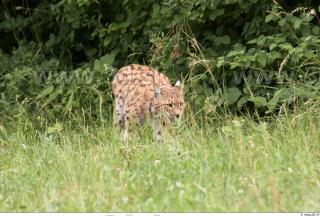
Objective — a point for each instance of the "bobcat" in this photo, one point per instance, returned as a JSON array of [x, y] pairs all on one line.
[[140, 91]]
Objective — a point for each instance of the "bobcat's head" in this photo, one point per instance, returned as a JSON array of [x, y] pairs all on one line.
[[170, 101]]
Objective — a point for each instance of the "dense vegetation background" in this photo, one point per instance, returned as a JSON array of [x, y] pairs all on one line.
[[249, 137], [57, 57]]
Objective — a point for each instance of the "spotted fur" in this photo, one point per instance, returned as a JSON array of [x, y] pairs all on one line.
[[140, 91]]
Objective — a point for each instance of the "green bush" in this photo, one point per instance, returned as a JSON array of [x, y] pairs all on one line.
[[254, 55]]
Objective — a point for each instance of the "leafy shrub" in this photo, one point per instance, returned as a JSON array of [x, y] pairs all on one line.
[[254, 55]]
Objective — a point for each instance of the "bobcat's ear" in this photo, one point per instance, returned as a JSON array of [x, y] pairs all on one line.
[[179, 84]]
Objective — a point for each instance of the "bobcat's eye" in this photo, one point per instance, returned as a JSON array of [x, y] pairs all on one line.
[[170, 105]]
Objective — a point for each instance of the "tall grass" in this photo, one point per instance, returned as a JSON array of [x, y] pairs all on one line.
[[237, 164]]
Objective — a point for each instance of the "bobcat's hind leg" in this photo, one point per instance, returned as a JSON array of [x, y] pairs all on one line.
[[156, 129], [118, 117]]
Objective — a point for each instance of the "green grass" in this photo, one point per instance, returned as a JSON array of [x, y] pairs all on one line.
[[234, 165]]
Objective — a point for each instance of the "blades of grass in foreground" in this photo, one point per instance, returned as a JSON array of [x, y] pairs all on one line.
[[241, 166]]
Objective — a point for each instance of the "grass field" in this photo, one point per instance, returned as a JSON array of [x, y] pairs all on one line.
[[235, 165]]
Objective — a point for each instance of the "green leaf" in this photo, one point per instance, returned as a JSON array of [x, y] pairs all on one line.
[[316, 30], [212, 16], [269, 17], [107, 40], [305, 92], [217, 41], [258, 101], [253, 41], [246, 90], [272, 46], [109, 58], [91, 52], [262, 59], [243, 100], [97, 65], [46, 91], [282, 22], [261, 40], [297, 23], [233, 65], [287, 46], [220, 62], [52, 96], [232, 95], [71, 36], [155, 8], [225, 39], [105, 61]]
